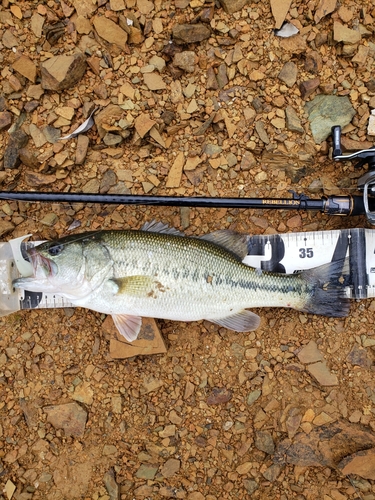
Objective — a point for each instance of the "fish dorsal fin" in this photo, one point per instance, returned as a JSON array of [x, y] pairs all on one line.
[[232, 241], [129, 326], [159, 227], [243, 321]]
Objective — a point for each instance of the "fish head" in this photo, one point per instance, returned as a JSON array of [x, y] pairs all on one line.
[[57, 260], [58, 267]]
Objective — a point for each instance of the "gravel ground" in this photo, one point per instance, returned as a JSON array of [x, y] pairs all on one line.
[[191, 98]]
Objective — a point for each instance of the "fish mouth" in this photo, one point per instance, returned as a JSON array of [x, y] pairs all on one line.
[[41, 264]]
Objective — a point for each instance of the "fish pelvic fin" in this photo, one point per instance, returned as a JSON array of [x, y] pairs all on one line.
[[327, 285], [128, 326], [242, 321]]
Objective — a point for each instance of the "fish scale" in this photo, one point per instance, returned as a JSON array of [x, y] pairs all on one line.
[[131, 274]]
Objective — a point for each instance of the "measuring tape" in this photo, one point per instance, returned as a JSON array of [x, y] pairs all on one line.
[[281, 253]]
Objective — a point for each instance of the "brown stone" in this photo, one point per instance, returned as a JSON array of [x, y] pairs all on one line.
[[81, 150], [190, 33], [70, 417], [325, 7], [322, 374], [143, 124], [110, 31], [288, 73], [361, 463], [313, 62], [5, 119], [63, 72], [35, 179], [175, 172], [232, 6], [29, 158], [280, 9], [308, 87], [5, 227], [154, 81], [106, 120], [310, 353], [219, 396], [25, 66], [344, 34], [325, 445], [17, 141]]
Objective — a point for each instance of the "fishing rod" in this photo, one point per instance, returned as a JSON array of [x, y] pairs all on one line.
[[330, 205]]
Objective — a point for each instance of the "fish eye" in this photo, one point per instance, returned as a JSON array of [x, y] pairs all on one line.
[[55, 249]]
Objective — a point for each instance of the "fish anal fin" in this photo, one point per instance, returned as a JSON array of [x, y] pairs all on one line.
[[129, 326], [230, 240], [243, 321], [137, 286]]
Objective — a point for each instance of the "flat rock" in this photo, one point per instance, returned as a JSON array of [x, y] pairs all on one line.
[[6, 119], [175, 172], [17, 141], [232, 6], [83, 392], [272, 473], [325, 111], [310, 353], [344, 34], [25, 66], [326, 445], [190, 33], [371, 125], [37, 136], [35, 91], [36, 179], [9, 40], [361, 463], [280, 9], [106, 120], [293, 123], [70, 417], [52, 134], [264, 442], [219, 395], [29, 158], [113, 489], [295, 44], [85, 7], [63, 72], [81, 150], [308, 87], [5, 227], [322, 374], [324, 8], [143, 124], [110, 31], [170, 467], [288, 73], [186, 60], [359, 356], [154, 81], [36, 24]]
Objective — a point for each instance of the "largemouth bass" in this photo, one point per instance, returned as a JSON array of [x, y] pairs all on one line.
[[160, 273]]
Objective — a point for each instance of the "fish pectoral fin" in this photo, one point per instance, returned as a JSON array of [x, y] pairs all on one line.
[[137, 286], [243, 321], [128, 326]]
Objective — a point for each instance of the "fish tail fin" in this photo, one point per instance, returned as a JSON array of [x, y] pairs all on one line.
[[327, 285]]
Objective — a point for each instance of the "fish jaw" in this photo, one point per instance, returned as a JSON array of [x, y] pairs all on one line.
[[43, 267]]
